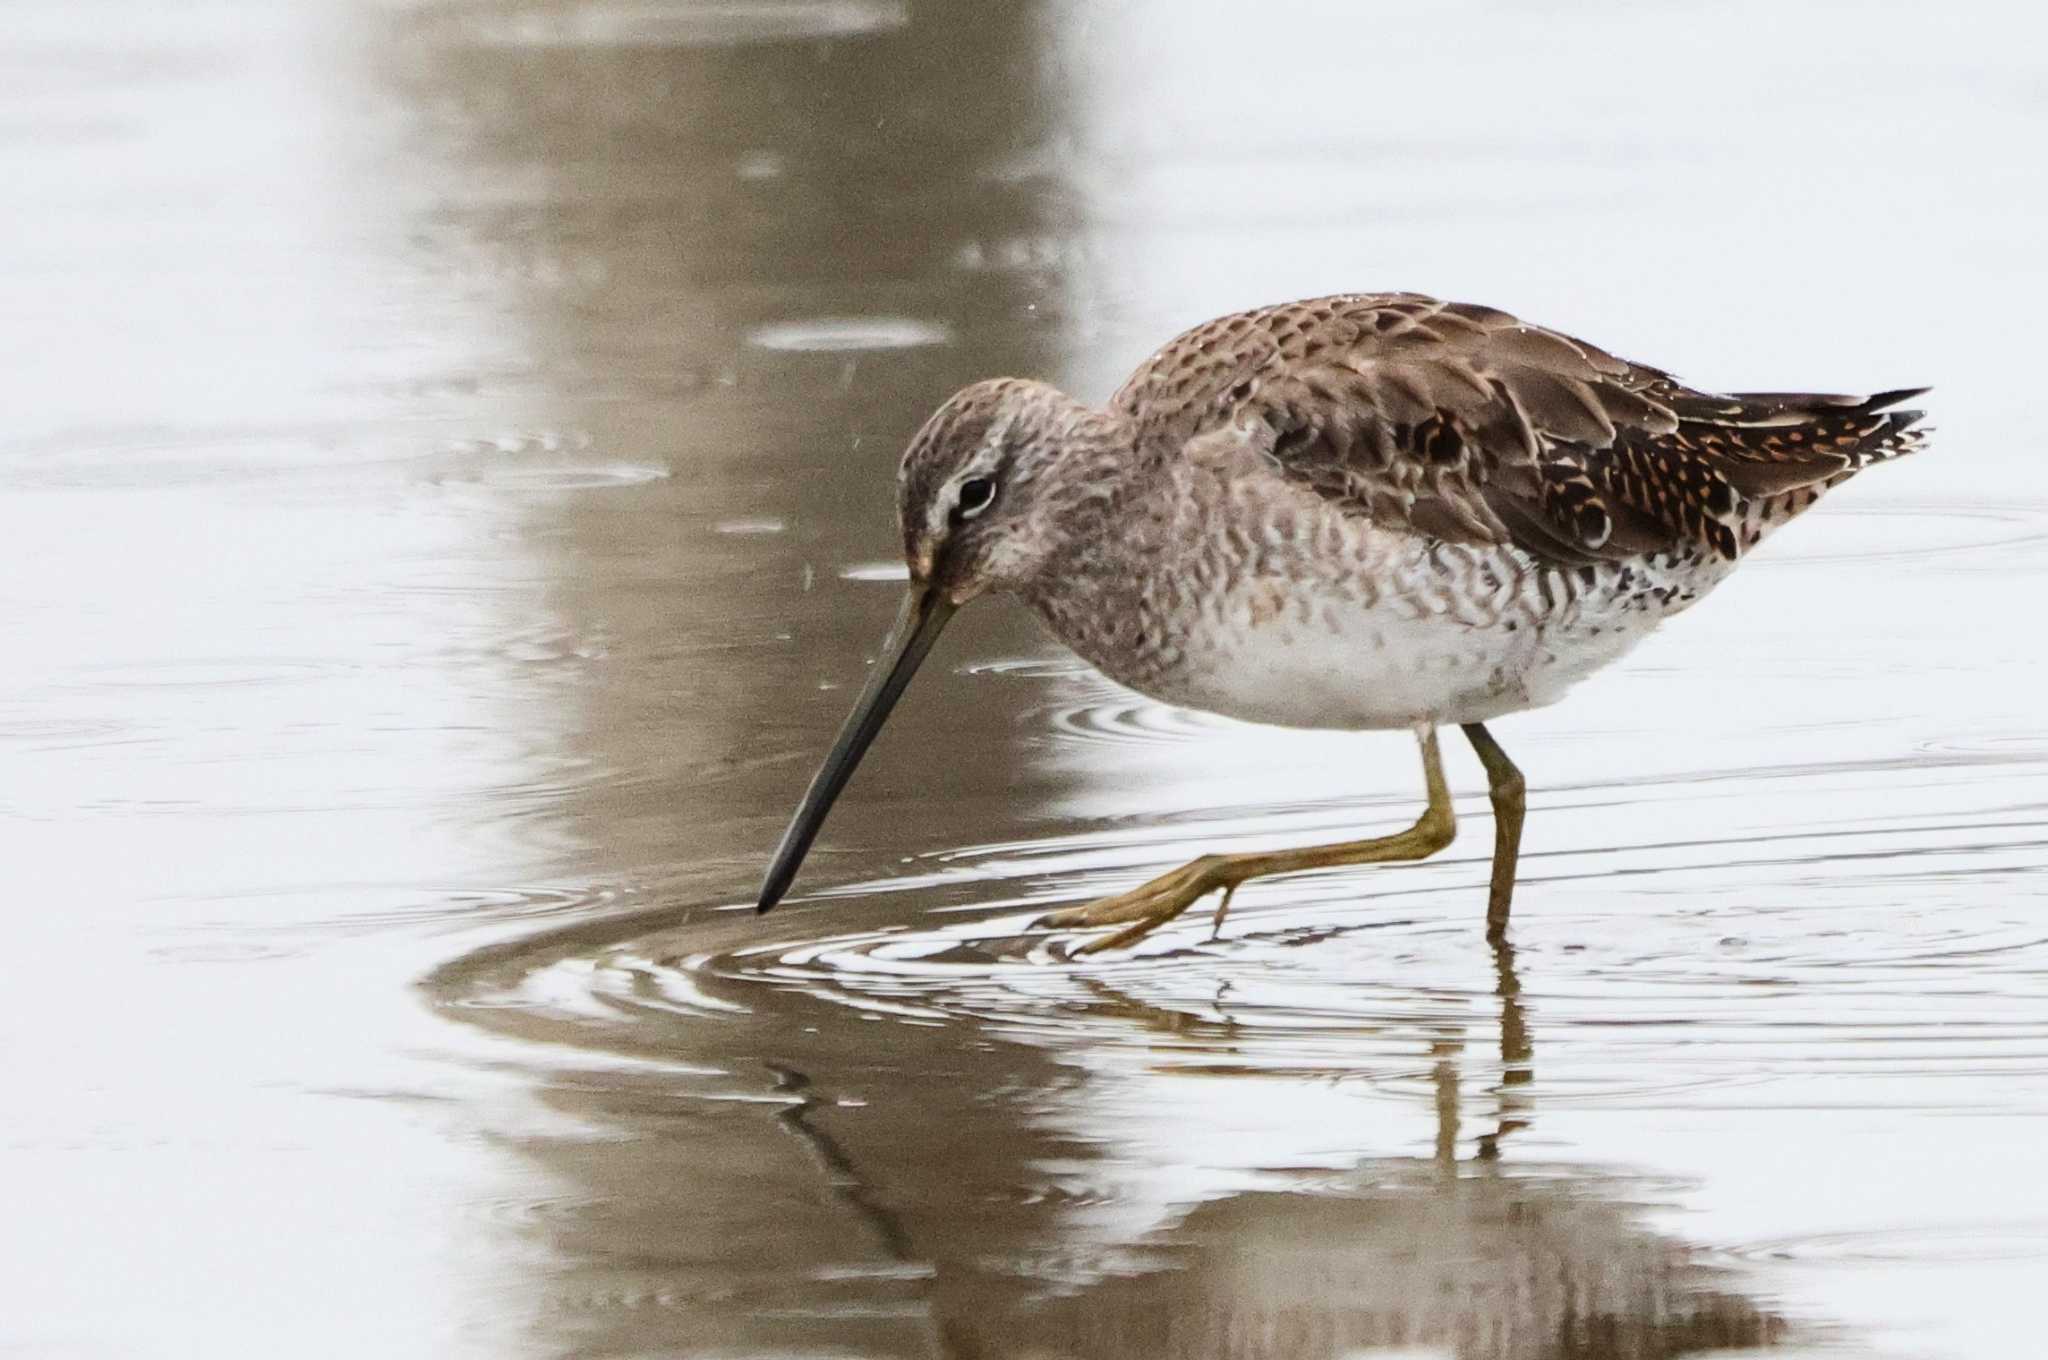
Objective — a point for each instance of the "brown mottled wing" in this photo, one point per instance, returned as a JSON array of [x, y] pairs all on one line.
[[1462, 423]]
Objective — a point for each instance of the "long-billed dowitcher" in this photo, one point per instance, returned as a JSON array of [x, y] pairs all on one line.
[[1369, 511]]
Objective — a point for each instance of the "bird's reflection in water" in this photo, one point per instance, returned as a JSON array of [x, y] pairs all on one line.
[[1467, 1256]]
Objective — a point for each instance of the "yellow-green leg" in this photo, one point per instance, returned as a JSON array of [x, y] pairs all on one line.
[[1151, 905], [1510, 803]]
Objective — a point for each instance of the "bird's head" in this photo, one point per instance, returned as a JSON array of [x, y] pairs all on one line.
[[980, 491], [985, 498]]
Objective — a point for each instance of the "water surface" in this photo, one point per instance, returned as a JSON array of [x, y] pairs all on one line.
[[448, 508]]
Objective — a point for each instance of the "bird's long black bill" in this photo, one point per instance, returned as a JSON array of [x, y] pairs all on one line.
[[924, 613]]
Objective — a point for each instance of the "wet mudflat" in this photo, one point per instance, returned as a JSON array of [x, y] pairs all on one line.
[[448, 511]]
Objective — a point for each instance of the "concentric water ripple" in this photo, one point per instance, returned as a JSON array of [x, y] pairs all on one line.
[[1122, 717], [1357, 976]]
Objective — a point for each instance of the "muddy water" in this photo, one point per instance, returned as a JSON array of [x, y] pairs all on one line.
[[447, 514]]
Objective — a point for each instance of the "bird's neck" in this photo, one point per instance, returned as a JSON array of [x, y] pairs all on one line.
[[1097, 496], [1095, 475]]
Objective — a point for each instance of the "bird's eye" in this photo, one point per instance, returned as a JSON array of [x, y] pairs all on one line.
[[975, 495]]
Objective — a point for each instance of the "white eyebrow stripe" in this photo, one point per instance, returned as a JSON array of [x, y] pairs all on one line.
[[982, 463]]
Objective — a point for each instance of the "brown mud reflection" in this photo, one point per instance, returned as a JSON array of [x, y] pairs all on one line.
[[737, 261]]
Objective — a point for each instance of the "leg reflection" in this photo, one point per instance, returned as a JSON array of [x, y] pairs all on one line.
[[1517, 1052]]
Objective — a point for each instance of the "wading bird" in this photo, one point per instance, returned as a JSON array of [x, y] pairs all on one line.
[[1369, 511]]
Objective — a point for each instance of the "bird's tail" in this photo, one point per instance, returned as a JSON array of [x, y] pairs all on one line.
[[1782, 451]]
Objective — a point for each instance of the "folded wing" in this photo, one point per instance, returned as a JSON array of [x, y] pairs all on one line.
[[1462, 423]]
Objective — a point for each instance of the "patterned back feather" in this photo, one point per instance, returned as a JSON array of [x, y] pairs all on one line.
[[1465, 424]]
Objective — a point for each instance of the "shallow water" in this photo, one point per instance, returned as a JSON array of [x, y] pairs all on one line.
[[448, 510]]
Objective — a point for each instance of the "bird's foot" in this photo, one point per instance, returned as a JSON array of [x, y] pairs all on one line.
[[1148, 906]]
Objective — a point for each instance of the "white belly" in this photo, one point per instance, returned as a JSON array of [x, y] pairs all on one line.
[[1372, 673], [1347, 664]]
